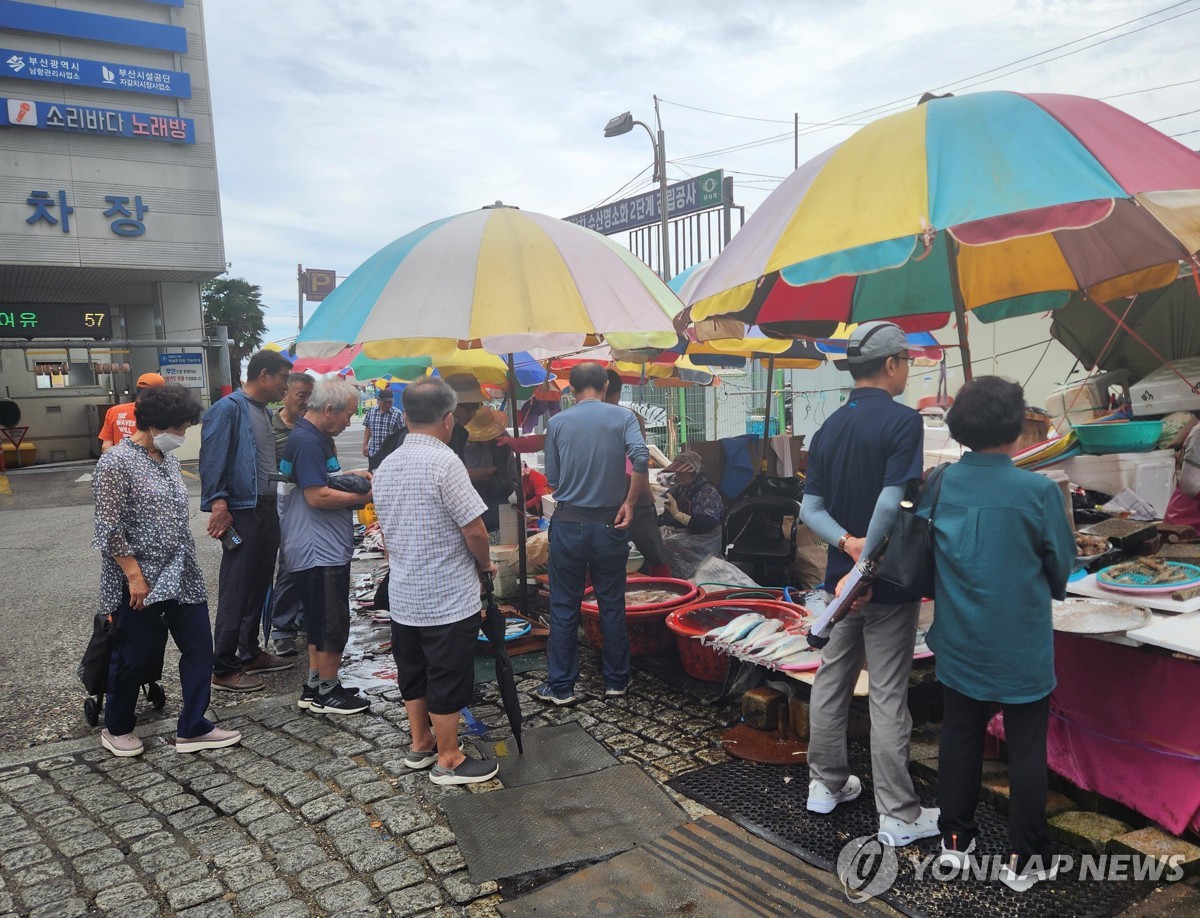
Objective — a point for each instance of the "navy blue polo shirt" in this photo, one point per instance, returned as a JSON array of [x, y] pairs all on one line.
[[311, 537], [870, 443]]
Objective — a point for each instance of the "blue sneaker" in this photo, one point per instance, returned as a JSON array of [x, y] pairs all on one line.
[[544, 693]]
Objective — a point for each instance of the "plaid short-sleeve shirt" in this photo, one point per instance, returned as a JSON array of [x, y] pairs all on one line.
[[423, 498], [380, 424]]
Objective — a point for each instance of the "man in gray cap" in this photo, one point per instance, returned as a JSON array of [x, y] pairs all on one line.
[[859, 466]]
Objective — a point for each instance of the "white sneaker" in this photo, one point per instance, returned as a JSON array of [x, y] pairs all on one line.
[[124, 745], [822, 800], [954, 859], [1034, 872], [896, 833]]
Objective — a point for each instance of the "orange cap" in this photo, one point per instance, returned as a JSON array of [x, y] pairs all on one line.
[[146, 380]]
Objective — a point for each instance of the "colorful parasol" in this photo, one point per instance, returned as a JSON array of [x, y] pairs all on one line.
[[509, 279], [996, 202]]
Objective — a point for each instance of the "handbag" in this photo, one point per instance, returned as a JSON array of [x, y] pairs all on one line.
[[908, 563]]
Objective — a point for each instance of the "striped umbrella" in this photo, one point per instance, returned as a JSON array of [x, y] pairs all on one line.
[[993, 202], [508, 279]]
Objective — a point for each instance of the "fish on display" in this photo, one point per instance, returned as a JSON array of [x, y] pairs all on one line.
[[762, 633], [764, 646], [724, 632], [785, 648]]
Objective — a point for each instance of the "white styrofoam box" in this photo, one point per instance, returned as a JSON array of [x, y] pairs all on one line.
[[1149, 475], [548, 505], [1163, 391], [1082, 402]]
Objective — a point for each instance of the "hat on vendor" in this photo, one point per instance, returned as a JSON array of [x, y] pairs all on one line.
[[873, 341], [687, 461], [146, 380], [466, 387], [488, 424]]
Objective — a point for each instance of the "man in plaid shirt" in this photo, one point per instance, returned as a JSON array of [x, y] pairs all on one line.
[[379, 423], [438, 552]]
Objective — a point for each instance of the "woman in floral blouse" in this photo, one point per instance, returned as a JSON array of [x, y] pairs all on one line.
[[150, 582]]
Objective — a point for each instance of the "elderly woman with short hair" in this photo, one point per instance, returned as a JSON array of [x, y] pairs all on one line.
[[150, 581], [1002, 550]]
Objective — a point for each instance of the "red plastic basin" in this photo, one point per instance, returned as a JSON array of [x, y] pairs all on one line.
[[647, 634], [689, 622]]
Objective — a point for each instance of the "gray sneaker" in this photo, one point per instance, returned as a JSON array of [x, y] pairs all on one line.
[[468, 771], [418, 760], [286, 647]]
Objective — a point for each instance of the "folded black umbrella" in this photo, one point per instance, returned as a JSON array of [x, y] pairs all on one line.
[[493, 629], [355, 484], [93, 668]]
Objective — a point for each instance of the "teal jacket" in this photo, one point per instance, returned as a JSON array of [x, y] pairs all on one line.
[[1002, 549]]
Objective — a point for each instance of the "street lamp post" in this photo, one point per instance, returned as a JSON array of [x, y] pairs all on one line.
[[623, 124]]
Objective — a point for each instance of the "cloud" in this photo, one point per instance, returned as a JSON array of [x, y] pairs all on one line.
[[343, 126]]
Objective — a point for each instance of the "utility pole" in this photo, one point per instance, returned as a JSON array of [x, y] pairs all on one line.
[[300, 295], [660, 150]]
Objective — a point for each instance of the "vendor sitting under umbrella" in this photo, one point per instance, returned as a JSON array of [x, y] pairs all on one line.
[[490, 465], [692, 519]]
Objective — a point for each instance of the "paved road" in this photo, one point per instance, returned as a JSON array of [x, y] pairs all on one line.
[[50, 586]]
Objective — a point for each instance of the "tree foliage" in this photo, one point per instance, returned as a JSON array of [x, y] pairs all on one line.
[[237, 304]]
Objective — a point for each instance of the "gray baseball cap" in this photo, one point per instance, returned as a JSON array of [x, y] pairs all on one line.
[[872, 341]]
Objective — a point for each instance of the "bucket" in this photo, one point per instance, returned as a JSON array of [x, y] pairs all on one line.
[[689, 622], [644, 621]]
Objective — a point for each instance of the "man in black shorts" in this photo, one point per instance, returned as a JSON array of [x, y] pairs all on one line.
[[317, 527], [432, 520]]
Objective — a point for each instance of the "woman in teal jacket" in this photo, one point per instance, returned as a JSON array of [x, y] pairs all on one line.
[[1003, 548]]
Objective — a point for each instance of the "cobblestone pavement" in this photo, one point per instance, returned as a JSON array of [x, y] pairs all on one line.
[[311, 815]]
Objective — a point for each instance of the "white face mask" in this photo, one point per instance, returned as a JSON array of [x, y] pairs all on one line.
[[167, 441]]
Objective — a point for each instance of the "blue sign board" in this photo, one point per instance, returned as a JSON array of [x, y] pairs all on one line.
[[178, 3], [76, 71], [182, 369], [51, 20], [700, 193], [87, 119]]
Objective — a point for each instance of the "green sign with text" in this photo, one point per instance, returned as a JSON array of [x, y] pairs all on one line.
[[55, 320]]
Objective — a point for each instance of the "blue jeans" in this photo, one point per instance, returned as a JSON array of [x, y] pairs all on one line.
[[577, 549], [137, 659]]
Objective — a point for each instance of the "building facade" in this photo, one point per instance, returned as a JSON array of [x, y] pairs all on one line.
[[110, 217]]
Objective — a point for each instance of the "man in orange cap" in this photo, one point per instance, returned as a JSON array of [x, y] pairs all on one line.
[[119, 421]]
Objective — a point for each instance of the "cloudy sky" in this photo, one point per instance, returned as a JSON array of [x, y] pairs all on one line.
[[343, 126]]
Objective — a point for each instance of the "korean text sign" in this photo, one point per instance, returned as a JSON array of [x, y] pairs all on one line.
[[86, 119]]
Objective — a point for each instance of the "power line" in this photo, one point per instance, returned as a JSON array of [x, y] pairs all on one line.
[[1169, 117], [709, 111], [1185, 133], [905, 99], [897, 104], [620, 190], [1135, 92]]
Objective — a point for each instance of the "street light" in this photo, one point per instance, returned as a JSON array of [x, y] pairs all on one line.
[[623, 124]]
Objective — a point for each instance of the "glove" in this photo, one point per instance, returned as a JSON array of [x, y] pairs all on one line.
[[676, 514]]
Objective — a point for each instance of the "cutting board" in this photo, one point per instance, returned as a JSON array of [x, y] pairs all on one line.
[[1180, 633], [1124, 534]]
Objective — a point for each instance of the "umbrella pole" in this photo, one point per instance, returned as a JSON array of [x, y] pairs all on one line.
[[766, 438], [960, 309], [522, 560]]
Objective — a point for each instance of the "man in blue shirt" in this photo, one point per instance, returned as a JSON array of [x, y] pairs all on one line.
[[237, 458], [860, 463], [585, 449], [317, 525]]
